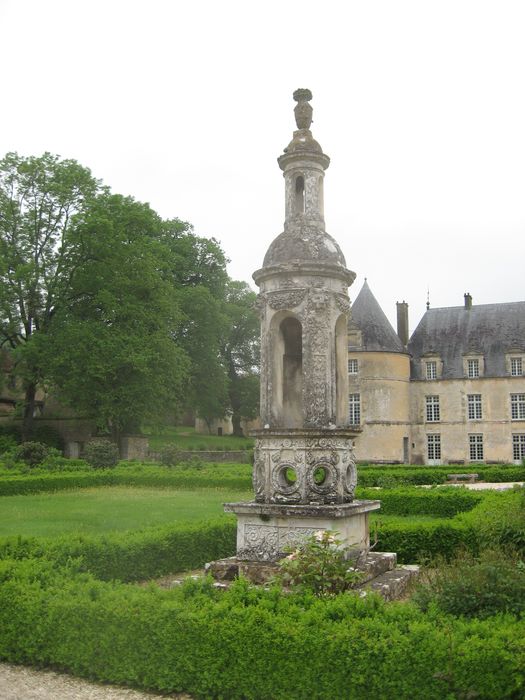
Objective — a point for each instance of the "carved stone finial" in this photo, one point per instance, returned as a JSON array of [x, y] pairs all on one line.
[[303, 109]]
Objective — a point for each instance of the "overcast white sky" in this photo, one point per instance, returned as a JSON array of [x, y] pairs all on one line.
[[186, 105]]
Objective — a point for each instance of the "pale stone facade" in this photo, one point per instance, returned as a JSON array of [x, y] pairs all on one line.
[[454, 393]]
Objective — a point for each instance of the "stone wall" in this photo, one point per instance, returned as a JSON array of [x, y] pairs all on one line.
[[239, 456]]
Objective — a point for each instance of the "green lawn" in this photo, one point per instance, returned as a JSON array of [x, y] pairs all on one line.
[[187, 439], [100, 510]]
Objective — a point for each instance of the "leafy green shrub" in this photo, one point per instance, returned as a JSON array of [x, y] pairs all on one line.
[[251, 643], [101, 454], [318, 565], [7, 443], [476, 587], [169, 455], [31, 453]]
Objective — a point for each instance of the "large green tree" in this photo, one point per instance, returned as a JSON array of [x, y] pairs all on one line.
[[112, 350], [125, 316], [240, 349], [198, 268], [40, 199]]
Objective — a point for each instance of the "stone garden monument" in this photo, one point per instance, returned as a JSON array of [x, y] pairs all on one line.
[[304, 472]]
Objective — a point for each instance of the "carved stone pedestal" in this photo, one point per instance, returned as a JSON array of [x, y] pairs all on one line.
[[308, 466], [265, 530]]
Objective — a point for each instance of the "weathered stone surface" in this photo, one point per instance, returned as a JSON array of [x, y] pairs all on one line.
[[258, 572], [374, 564], [134, 447], [393, 584], [301, 466], [266, 530], [223, 569], [379, 570]]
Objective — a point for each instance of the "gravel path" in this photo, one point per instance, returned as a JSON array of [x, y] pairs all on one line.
[[495, 486], [24, 683]]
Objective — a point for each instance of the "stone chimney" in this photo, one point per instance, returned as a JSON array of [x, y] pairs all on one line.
[[468, 301], [402, 321]]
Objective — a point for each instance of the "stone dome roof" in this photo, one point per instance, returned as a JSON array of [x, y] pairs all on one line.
[[304, 244]]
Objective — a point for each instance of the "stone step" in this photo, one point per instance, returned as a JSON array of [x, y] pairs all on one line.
[[375, 564], [392, 584]]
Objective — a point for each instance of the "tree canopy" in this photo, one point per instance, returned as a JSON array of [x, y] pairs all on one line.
[[241, 351], [126, 317], [40, 199]]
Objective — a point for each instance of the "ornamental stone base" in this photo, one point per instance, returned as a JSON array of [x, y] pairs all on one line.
[[304, 466], [265, 531]]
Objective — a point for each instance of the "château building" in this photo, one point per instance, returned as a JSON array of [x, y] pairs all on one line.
[[454, 392]]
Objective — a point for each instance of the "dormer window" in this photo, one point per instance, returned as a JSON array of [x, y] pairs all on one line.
[[472, 368], [431, 369], [473, 365], [516, 366], [431, 366]]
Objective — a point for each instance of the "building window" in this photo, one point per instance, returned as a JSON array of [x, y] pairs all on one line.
[[517, 406], [475, 411], [431, 369], [476, 447], [434, 446], [352, 366], [354, 402], [472, 369], [516, 366], [518, 447], [432, 408]]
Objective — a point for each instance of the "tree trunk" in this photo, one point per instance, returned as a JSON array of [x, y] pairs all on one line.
[[29, 411]]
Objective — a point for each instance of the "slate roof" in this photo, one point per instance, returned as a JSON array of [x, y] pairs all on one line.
[[491, 330], [368, 316]]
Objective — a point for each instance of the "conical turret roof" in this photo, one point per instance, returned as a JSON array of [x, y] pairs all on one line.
[[369, 317]]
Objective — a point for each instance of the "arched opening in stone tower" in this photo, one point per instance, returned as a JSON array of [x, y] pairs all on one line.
[[299, 201], [320, 191], [341, 370], [291, 356]]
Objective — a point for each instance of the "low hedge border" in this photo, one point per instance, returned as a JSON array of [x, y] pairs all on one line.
[[231, 476], [375, 476], [438, 502], [497, 520], [223, 645], [132, 556], [159, 477], [462, 518]]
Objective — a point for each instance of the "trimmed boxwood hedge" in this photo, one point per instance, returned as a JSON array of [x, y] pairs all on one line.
[[132, 556], [388, 476], [439, 502], [252, 644], [53, 611], [239, 478], [498, 519]]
